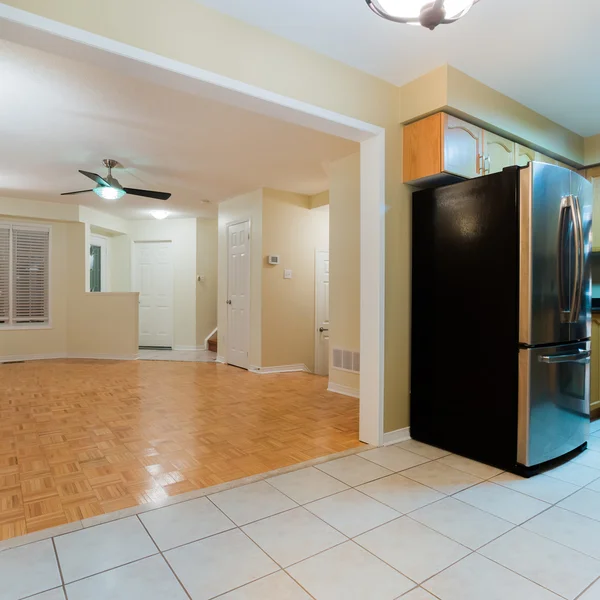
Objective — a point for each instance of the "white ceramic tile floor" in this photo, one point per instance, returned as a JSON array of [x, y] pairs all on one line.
[[443, 478], [403, 543], [430, 452], [351, 512], [150, 579], [233, 544], [90, 551], [504, 503], [55, 594], [293, 536], [186, 522], [477, 578], [307, 485], [252, 502], [541, 487], [28, 570], [585, 502], [466, 524], [219, 564], [393, 458], [562, 570], [401, 493], [354, 470]]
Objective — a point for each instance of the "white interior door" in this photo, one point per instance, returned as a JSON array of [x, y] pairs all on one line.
[[322, 313], [153, 279], [238, 294]]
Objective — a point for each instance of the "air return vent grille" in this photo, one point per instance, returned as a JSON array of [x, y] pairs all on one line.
[[346, 360]]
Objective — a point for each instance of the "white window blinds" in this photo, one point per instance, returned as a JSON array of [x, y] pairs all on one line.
[[24, 274], [4, 273]]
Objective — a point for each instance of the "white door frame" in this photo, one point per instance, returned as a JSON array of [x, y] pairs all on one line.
[[317, 251], [132, 272], [227, 226], [57, 37]]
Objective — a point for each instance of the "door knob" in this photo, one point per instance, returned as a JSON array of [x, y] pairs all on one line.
[[228, 301], [322, 329]]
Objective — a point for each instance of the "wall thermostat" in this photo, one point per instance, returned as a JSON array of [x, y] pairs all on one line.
[[273, 259]]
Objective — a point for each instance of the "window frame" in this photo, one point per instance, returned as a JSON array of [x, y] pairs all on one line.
[[16, 326]]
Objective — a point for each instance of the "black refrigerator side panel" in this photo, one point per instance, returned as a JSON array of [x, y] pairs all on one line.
[[465, 287]]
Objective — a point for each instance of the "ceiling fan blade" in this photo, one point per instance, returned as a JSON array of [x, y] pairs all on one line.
[[80, 192], [148, 193], [95, 177]]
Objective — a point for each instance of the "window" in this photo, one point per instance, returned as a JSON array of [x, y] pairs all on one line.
[[24, 275], [98, 264]]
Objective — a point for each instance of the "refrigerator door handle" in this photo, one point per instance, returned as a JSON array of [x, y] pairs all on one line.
[[565, 205], [582, 358], [579, 259]]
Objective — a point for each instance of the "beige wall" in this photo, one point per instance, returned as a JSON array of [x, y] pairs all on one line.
[[51, 340], [592, 150], [344, 263], [241, 208], [321, 199], [182, 234], [207, 266], [97, 324], [293, 231]]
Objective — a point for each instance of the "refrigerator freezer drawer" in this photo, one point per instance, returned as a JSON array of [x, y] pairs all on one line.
[[554, 401]]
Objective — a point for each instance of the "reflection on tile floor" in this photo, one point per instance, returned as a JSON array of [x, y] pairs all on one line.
[[431, 526], [178, 355]]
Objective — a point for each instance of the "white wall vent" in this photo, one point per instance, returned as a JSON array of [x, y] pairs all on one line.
[[346, 360]]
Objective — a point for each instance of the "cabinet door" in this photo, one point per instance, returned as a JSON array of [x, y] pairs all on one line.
[[523, 155], [463, 145], [595, 365], [498, 153]]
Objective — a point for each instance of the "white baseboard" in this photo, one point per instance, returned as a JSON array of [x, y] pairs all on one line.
[[221, 359], [55, 355], [92, 356], [188, 348], [396, 436], [299, 368], [343, 389], [22, 357]]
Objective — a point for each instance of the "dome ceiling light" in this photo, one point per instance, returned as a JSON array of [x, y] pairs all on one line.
[[420, 12]]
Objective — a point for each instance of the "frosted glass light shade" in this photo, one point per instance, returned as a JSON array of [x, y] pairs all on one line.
[[412, 11], [109, 193]]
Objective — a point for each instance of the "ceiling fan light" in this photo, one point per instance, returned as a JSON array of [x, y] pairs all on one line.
[[159, 214], [109, 193]]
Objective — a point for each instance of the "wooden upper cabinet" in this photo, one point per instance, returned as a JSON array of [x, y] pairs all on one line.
[[441, 149], [523, 155], [498, 153], [463, 145]]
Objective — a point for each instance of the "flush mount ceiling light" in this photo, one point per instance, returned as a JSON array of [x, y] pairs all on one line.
[[420, 12], [159, 214]]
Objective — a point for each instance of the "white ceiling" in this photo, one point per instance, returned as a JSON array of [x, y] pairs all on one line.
[[542, 53], [60, 115]]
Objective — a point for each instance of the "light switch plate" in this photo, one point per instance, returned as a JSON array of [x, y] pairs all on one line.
[[287, 274]]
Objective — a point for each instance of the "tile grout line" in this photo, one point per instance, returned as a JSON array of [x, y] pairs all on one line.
[[164, 558], [589, 587]]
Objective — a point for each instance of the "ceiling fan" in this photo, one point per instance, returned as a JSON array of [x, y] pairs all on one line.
[[110, 189]]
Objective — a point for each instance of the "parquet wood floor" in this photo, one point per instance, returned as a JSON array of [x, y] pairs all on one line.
[[81, 438]]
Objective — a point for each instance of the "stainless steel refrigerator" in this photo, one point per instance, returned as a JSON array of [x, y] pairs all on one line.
[[501, 316]]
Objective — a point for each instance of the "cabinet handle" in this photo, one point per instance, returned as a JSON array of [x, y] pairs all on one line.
[[489, 161]]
